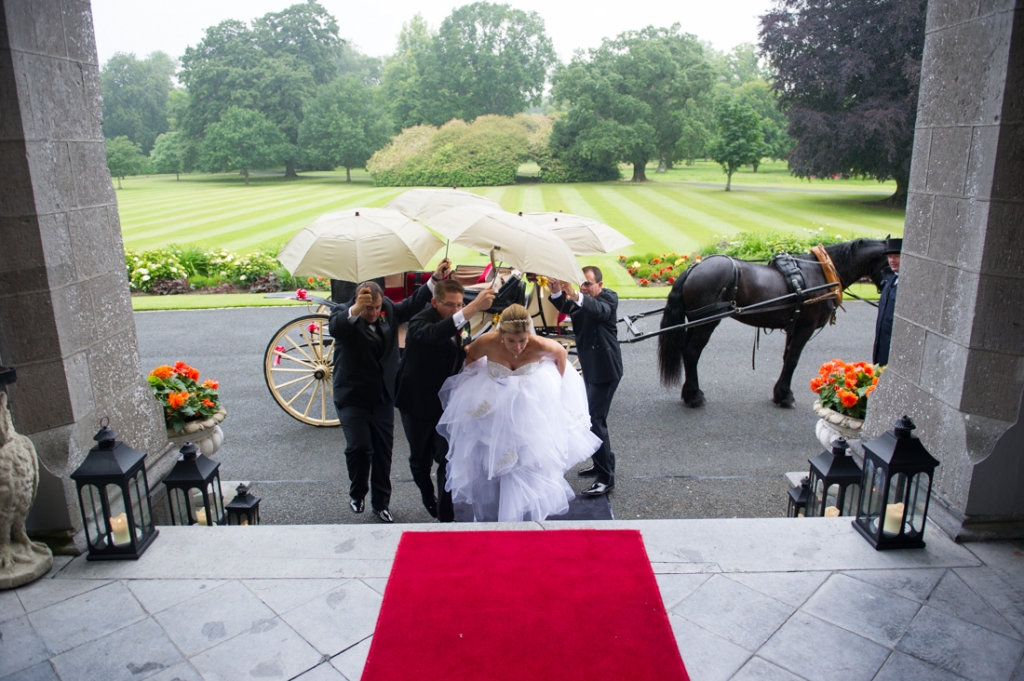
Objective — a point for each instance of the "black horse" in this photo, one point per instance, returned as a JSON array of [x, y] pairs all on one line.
[[713, 285]]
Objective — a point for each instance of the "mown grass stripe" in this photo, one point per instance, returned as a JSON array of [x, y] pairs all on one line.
[[654, 222], [837, 213]]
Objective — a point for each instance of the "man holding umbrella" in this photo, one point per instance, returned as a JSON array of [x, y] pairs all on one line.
[[594, 316], [365, 371]]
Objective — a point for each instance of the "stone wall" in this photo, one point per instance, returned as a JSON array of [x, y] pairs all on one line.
[[65, 313], [957, 359]]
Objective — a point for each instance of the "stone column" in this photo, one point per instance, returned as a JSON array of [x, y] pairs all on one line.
[[957, 360], [65, 313]]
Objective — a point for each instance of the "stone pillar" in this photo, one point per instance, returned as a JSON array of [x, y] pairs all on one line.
[[65, 313], [957, 360]]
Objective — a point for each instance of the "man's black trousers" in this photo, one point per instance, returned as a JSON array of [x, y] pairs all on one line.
[[599, 399], [427, 447], [369, 438]]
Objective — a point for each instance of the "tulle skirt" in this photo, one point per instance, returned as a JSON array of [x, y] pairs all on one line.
[[512, 435]]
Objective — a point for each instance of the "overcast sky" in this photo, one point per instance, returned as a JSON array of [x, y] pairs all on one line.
[[143, 27]]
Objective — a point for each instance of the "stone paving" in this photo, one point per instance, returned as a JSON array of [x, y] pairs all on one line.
[[748, 599]]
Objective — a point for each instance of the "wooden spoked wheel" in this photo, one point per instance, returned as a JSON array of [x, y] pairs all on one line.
[[298, 367]]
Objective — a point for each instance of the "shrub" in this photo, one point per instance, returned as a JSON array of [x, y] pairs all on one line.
[[245, 270], [763, 246], [195, 259], [168, 287], [149, 266]]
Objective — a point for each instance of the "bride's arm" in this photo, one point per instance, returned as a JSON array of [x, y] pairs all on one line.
[[555, 351], [478, 348]]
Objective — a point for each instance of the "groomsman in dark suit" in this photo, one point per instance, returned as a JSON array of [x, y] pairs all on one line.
[[887, 303], [365, 370], [594, 314], [434, 350]]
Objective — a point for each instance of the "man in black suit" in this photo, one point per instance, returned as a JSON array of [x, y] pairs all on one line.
[[594, 314], [434, 350], [887, 303], [365, 370]]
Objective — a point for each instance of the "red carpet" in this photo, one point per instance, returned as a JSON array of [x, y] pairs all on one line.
[[545, 604]]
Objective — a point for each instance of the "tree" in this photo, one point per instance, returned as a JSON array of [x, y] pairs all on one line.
[[242, 140], [135, 96], [124, 157], [273, 67], [739, 141], [168, 154], [758, 95], [485, 59], [628, 97], [848, 75], [343, 126], [400, 82]]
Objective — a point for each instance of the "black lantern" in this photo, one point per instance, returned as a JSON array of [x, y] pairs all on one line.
[[834, 482], [193, 489], [113, 495], [896, 488], [244, 509], [798, 501]]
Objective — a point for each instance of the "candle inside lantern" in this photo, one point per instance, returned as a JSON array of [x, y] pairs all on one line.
[[201, 516], [243, 522], [831, 512], [119, 527], [893, 518]]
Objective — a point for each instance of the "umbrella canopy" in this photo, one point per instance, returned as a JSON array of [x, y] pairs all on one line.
[[516, 241], [585, 236], [423, 204], [359, 244]]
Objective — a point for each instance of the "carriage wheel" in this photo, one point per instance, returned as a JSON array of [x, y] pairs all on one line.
[[298, 367]]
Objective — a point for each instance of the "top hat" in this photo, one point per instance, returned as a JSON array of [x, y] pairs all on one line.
[[892, 246]]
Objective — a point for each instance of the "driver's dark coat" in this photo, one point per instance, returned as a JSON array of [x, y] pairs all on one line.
[[597, 339], [883, 324], [366, 362]]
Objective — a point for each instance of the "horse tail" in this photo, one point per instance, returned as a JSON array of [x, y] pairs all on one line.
[[671, 344]]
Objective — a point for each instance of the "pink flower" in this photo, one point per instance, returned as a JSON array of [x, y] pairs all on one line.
[[313, 327], [278, 351], [302, 294]]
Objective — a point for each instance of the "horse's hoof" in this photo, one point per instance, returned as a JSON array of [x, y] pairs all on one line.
[[695, 403], [788, 403]]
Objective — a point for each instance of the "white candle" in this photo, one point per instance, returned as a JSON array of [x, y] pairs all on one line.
[[201, 516], [893, 518], [119, 527], [831, 512], [243, 522]]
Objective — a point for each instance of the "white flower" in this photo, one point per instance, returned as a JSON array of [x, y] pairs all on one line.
[[145, 278], [143, 270], [242, 277]]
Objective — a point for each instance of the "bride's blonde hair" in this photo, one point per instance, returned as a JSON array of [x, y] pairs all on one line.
[[514, 319]]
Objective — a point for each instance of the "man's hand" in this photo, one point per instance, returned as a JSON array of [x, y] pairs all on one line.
[[364, 299], [442, 269], [482, 302], [568, 290], [555, 285]]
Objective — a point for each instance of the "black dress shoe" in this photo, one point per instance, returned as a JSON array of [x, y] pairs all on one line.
[[357, 505], [431, 507], [385, 515], [597, 489], [587, 472]]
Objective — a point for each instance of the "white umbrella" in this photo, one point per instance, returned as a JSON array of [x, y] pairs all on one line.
[[585, 236], [423, 204], [359, 244], [516, 241]]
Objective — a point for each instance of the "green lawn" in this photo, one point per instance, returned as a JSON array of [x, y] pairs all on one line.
[[680, 210]]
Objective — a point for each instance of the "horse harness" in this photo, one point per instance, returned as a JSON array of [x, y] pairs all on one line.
[[790, 269]]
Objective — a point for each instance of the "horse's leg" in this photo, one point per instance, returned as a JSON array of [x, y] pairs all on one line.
[[782, 395], [696, 338]]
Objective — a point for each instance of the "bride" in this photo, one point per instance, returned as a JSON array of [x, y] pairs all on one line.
[[515, 420]]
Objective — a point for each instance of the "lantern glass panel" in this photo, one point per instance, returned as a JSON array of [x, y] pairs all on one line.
[[139, 491], [850, 500], [117, 523], [179, 506], [919, 489], [815, 500], [92, 505], [895, 508], [832, 496], [216, 501]]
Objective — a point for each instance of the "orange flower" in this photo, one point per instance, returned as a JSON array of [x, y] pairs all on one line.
[[656, 261], [209, 403], [848, 399], [816, 383], [310, 280], [177, 400], [162, 372], [212, 383], [871, 389], [874, 381]]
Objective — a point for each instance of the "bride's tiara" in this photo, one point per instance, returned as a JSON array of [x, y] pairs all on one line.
[[514, 322]]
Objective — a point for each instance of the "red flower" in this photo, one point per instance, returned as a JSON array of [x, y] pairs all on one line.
[[208, 403], [671, 280], [211, 383], [177, 400], [313, 327], [162, 372], [656, 261], [644, 282], [302, 294]]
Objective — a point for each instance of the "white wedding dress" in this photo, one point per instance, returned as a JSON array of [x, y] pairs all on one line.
[[512, 435]]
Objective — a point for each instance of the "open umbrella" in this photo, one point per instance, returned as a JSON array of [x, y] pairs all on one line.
[[359, 244], [423, 204], [585, 236], [513, 238]]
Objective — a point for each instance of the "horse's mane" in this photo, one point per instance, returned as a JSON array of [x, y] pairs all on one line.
[[841, 254]]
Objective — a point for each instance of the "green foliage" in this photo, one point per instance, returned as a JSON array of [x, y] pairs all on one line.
[[135, 96], [400, 84], [628, 98], [763, 246], [343, 125], [145, 268], [182, 396], [124, 158], [486, 152], [168, 155], [245, 270], [740, 141], [242, 140]]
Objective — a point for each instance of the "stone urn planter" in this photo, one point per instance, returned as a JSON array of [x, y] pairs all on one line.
[[205, 434], [831, 424]]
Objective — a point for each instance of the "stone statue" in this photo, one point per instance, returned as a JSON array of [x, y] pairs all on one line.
[[21, 559]]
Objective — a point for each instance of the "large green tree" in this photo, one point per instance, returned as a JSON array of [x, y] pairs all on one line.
[[847, 74], [135, 93], [273, 67], [343, 125], [168, 155], [124, 158], [628, 97], [739, 141], [242, 140], [403, 71]]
